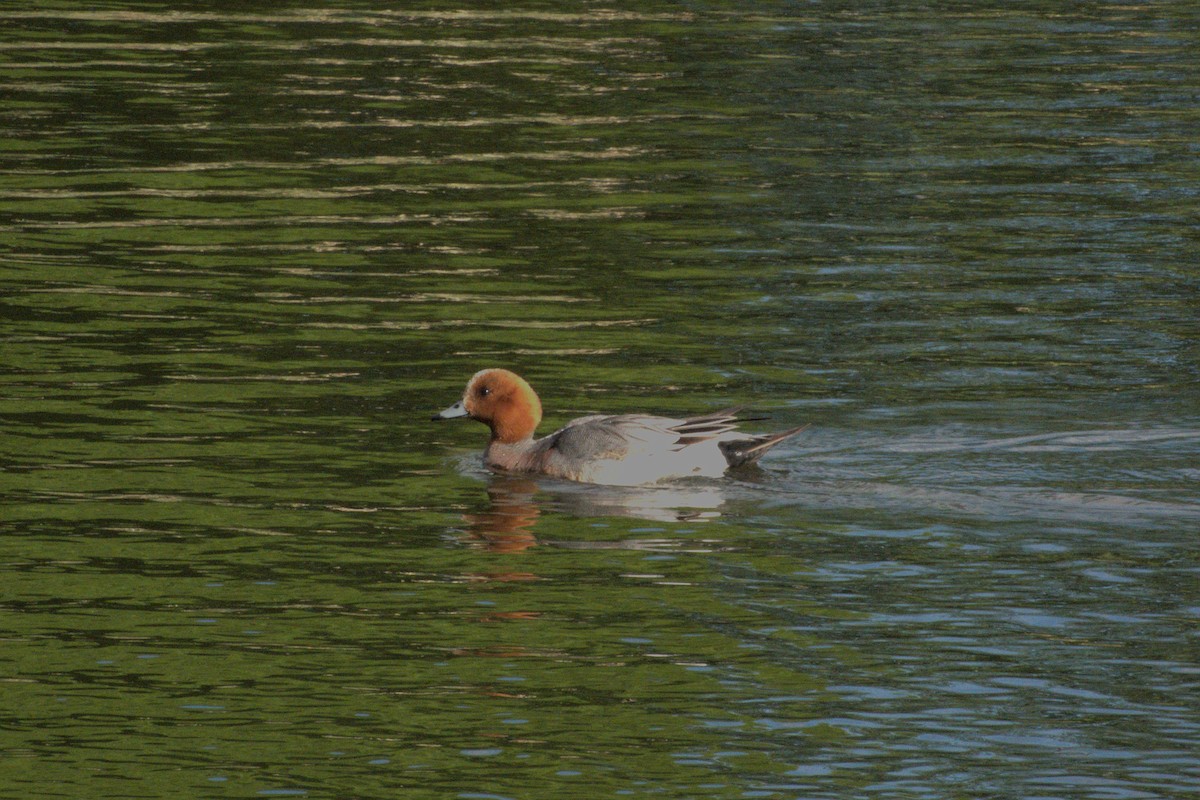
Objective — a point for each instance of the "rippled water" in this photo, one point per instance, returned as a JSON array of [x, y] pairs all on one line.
[[246, 253]]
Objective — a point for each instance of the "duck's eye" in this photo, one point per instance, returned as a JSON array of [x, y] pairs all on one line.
[[484, 391]]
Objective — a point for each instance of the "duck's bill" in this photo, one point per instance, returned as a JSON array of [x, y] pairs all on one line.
[[456, 410]]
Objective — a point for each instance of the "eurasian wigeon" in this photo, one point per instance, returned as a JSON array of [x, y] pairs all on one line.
[[625, 449]]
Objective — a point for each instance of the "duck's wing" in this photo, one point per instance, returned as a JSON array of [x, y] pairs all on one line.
[[616, 436], [587, 439], [647, 448]]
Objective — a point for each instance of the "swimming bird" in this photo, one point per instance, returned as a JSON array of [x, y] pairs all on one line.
[[622, 449]]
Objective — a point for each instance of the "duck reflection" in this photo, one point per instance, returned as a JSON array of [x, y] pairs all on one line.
[[516, 503], [506, 525]]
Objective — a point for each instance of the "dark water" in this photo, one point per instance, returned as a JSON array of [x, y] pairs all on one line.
[[244, 254]]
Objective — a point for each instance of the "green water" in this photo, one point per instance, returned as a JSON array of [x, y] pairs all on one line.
[[244, 254]]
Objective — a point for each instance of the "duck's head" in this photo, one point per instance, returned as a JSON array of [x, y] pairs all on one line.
[[503, 401]]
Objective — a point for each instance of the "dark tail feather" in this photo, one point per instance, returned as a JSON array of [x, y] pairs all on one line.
[[740, 452], [705, 427]]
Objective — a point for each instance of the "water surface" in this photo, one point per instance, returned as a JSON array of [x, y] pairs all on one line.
[[246, 253]]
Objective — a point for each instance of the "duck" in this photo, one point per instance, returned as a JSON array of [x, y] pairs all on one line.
[[620, 449]]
